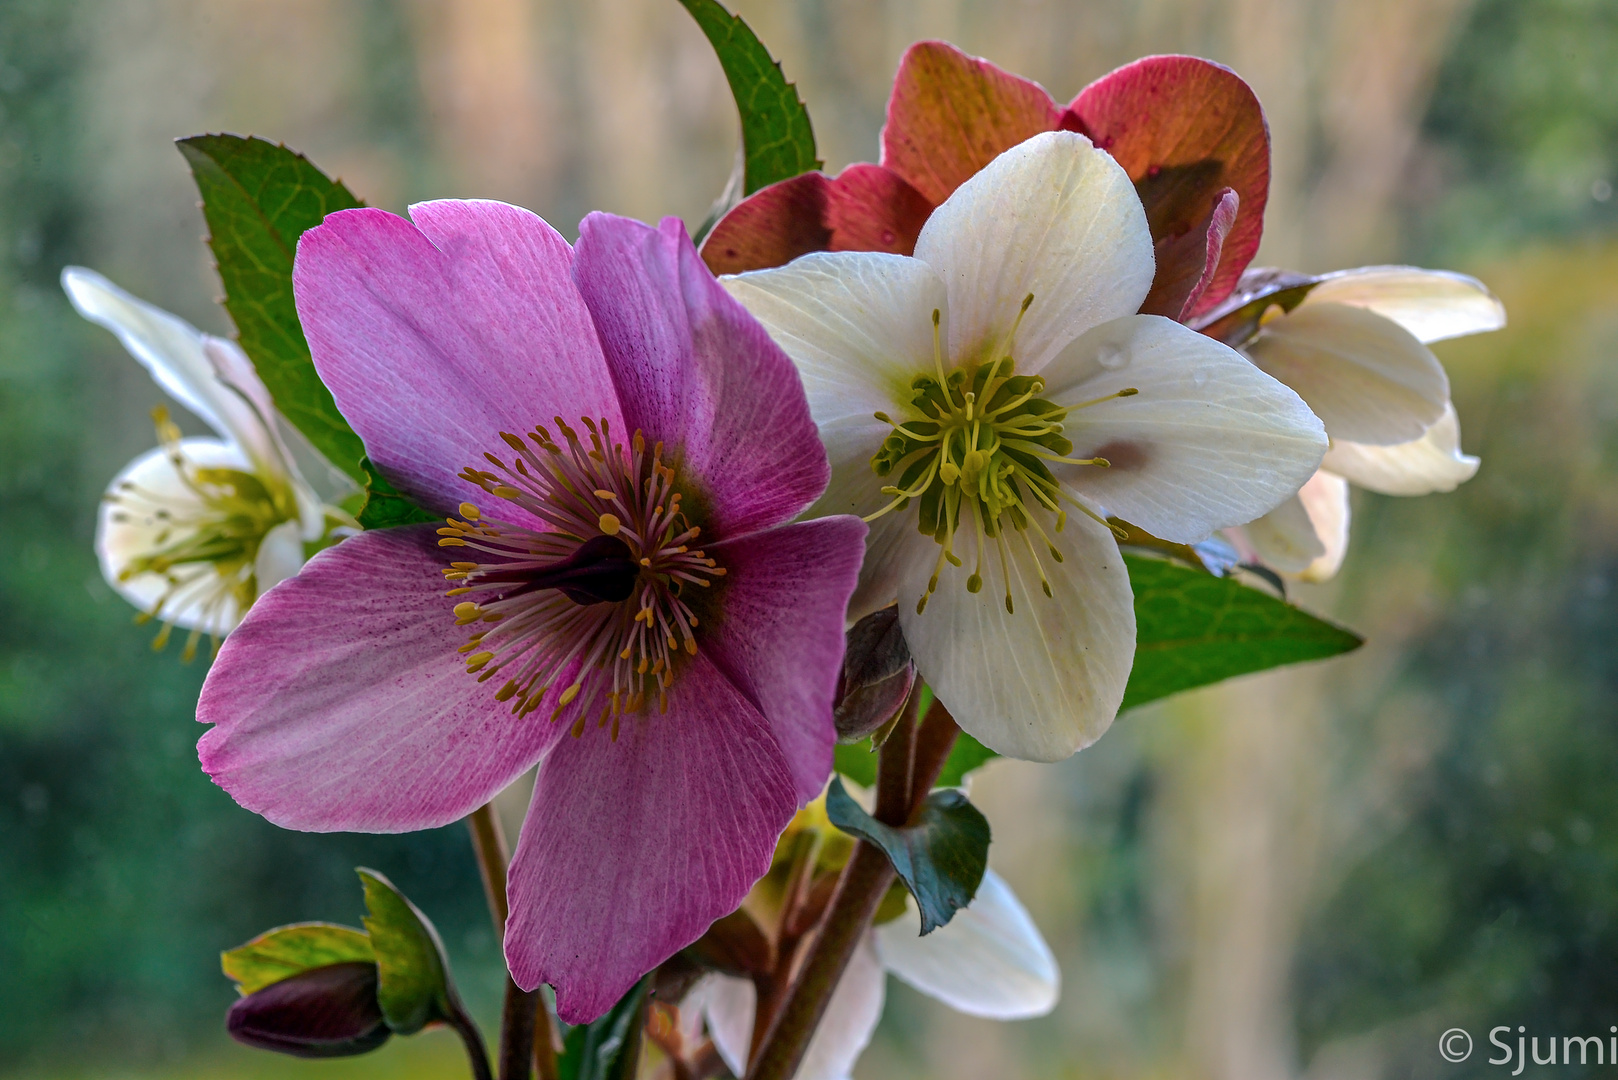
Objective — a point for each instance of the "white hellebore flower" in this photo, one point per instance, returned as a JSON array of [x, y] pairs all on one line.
[[195, 530], [1355, 348], [989, 960], [988, 402]]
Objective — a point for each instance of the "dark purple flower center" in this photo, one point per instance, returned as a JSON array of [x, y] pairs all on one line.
[[595, 599]]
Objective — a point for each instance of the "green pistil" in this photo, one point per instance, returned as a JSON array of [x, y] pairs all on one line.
[[975, 453]]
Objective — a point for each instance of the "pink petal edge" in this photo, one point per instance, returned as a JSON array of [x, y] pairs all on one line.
[[340, 703]]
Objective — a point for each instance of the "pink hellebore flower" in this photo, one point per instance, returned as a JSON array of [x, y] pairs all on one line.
[[637, 616]]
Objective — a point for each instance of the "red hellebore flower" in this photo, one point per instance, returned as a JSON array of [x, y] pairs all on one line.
[[628, 605], [1189, 132]]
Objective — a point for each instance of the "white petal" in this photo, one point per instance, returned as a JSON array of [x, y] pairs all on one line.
[[280, 555], [1307, 536], [1209, 440], [989, 960], [857, 324], [893, 541], [1285, 539], [1054, 217], [728, 1004], [1431, 304], [1364, 375], [851, 1017], [1325, 498], [1045, 680], [1423, 466], [177, 356], [122, 536]]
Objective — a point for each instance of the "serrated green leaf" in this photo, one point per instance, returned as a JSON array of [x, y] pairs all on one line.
[[258, 198], [288, 950], [940, 855], [384, 506], [604, 1049], [778, 142], [413, 985], [1193, 629]]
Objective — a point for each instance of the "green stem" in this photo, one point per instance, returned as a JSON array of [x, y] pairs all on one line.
[[525, 1020], [472, 1039], [911, 760]]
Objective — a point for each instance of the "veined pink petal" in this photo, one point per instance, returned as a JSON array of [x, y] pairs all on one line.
[[632, 848], [696, 371], [340, 702], [780, 638], [863, 208], [437, 336], [951, 114], [1185, 128], [1188, 263]]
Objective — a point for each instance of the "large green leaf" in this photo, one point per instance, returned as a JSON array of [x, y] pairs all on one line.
[[258, 198], [606, 1048], [1193, 629], [778, 141], [290, 950], [413, 987], [940, 855]]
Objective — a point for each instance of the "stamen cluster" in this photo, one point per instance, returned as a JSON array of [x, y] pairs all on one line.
[[205, 548], [981, 439], [600, 598]]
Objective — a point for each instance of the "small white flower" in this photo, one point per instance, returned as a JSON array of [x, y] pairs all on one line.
[[989, 961], [195, 530], [1355, 349], [988, 402]]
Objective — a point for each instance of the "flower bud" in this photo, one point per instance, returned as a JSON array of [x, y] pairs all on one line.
[[877, 676], [327, 1011]]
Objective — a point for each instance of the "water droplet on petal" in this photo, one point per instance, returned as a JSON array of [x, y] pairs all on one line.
[[1112, 357]]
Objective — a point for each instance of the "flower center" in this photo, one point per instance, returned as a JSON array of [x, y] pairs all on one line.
[[600, 597], [205, 543], [978, 443]]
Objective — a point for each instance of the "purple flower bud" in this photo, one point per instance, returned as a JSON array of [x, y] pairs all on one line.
[[876, 678], [323, 1012]]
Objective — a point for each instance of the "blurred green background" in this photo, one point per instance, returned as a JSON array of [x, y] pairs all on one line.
[[1307, 874]]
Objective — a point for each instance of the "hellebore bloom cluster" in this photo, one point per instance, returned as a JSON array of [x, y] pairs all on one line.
[[988, 402], [617, 448], [1353, 344], [197, 529]]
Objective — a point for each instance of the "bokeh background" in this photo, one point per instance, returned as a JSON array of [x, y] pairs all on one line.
[[1307, 874]]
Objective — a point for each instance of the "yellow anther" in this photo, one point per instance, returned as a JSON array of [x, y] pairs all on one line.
[[466, 609], [470, 512], [505, 491], [949, 472], [569, 694], [464, 565], [462, 591], [506, 692], [609, 524], [603, 493], [476, 661], [450, 541]]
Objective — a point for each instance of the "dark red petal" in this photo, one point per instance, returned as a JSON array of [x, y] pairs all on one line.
[[1186, 264], [1184, 129], [864, 208], [950, 114]]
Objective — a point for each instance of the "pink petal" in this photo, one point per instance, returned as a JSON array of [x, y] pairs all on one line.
[[340, 702], [437, 336], [780, 638], [696, 371], [1186, 264], [950, 114], [1184, 129], [864, 208], [633, 848]]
